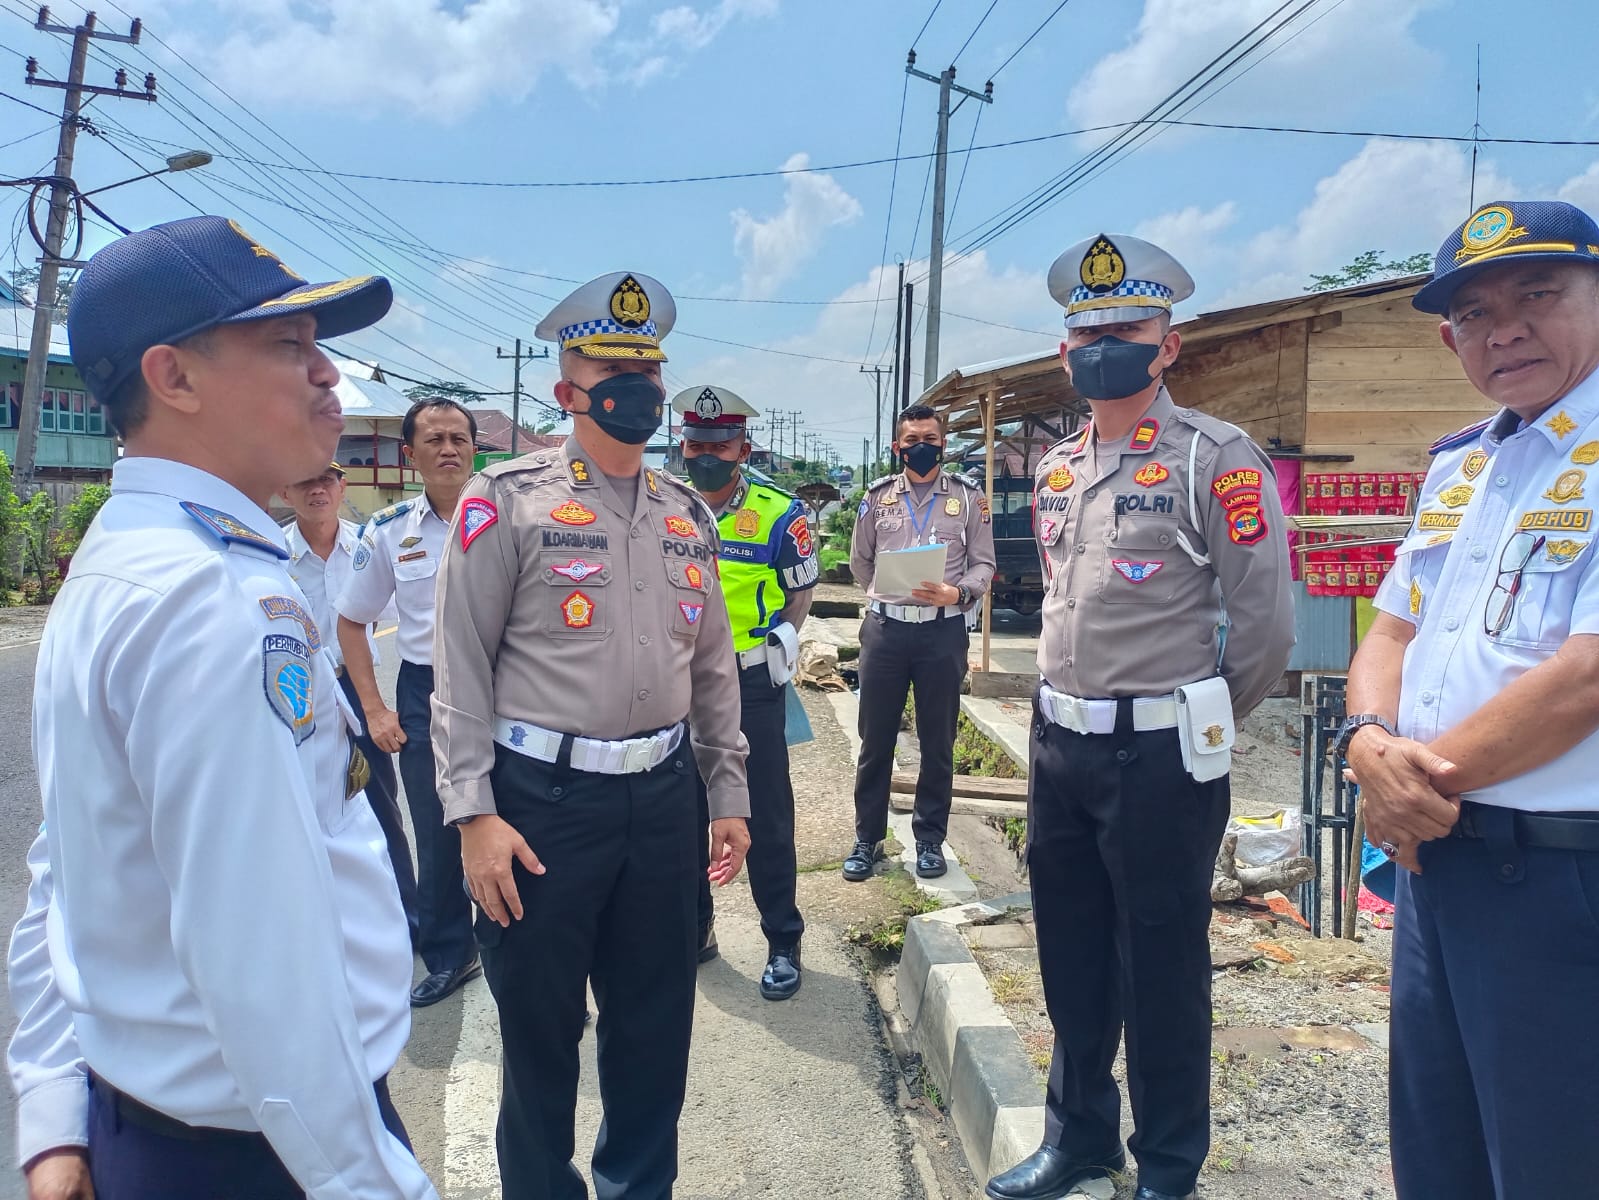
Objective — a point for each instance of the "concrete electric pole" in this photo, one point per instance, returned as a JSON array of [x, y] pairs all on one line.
[[877, 374], [935, 258], [62, 192], [518, 358]]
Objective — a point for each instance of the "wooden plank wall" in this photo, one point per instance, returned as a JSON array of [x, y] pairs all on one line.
[[1381, 385], [1255, 380]]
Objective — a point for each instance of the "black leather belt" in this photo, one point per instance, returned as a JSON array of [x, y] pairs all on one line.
[[1550, 831]]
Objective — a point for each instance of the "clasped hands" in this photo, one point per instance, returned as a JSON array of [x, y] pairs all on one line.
[[1405, 790]]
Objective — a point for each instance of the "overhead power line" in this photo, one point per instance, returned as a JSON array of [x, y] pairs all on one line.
[[994, 74]]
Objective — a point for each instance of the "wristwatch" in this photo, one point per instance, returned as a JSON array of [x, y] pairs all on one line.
[[1356, 723], [965, 596], [466, 820]]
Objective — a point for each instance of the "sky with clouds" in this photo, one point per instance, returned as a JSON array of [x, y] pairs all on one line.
[[783, 282]]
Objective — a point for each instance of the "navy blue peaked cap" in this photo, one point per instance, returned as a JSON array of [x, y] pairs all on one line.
[[1508, 231], [172, 281]]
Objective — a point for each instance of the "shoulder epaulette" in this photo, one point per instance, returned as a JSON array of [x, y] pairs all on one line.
[[230, 530], [1462, 437], [384, 515], [884, 481], [1217, 430], [539, 460]]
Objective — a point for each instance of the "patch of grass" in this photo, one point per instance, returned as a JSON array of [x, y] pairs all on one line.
[[1011, 987], [929, 1089], [888, 935], [978, 754], [832, 556], [821, 868]]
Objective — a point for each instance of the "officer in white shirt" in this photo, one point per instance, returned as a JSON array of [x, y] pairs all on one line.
[[210, 974], [1474, 733], [322, 548], [398, 560]]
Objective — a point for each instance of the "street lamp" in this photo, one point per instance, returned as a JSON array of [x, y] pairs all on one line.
[[62, 194], [187, 161]]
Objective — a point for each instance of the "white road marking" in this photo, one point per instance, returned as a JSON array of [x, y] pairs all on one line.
[[20, 645], [472, 1098]]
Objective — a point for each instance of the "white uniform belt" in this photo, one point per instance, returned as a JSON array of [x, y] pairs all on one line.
[[627, 757], [1099, 716], [914, 613], [753, 657]]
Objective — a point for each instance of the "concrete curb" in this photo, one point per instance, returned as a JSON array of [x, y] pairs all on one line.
[[968, 1045]]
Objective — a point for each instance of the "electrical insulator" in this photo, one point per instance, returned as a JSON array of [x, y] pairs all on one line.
[[44, 15], [33, 67], [138, 28], [149, 84], [122, 78], [910, 59]]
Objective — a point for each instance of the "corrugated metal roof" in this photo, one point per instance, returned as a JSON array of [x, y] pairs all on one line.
[[16, 332], [368, 401]]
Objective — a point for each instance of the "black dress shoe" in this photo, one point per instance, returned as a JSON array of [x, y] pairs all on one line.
[[930, 862], [1049, 1173], [1145, 1193], [858, 865], [442, 983], [708, 947], [781, 979]]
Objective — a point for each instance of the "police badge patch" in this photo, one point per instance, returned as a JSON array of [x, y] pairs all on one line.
[[477, 514], [286, 676], [1135, 572]]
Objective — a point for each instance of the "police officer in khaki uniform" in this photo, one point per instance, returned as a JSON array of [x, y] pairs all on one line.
[[579, 625], [918, 639], [1160, 531], [768, 570]]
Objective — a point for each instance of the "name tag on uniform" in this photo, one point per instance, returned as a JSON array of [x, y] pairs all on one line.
[[411, 557]]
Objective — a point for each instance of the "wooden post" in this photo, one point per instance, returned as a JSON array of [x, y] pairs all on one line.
[[990, 400]]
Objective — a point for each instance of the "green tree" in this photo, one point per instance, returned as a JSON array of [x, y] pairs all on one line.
[[451, 389], [11, 522], [79, 515], [1368, 267], [26, 279]]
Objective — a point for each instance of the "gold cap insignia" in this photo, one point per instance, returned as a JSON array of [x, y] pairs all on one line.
[[1488, 228], [261, 251], [1103, 266], [630, 305]]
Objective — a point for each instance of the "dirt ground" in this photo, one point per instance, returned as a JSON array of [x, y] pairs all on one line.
[[19, 626], [1299, 1076]]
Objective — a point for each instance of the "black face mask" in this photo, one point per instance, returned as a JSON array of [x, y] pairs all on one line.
[[627, 407], [709, 473], [922, 457], [1111, 368]]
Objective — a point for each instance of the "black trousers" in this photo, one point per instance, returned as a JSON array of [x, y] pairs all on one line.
[[443, 907], [383, 793], [1121, 846], [616, 907], [897, 656], [770, 862], [130, 1161], [1494, 1076]]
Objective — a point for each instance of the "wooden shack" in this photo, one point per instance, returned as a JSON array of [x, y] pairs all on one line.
[[1355, 377]]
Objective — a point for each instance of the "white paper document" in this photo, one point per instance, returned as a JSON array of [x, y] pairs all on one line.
[[898, 573]]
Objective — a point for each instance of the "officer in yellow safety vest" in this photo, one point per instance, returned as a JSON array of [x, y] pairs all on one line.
[[768, 568]]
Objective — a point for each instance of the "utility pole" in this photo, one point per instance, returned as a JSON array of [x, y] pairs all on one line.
[[777, 437], [877, 378], [866, 450], [935, 258], [62, 191], [518, 358], [905, 363]]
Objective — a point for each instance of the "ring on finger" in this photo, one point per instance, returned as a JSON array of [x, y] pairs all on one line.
[[1389, 850]]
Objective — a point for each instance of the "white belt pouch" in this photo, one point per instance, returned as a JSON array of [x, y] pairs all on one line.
[[1205, 728]]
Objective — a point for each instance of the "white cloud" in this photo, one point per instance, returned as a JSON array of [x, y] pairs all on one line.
[[440, 59], [694, 30], [1583, 191], [1190, 232], [772, 250], [1350, 45]]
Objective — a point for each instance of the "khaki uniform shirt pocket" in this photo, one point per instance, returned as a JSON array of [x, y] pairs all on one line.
[[690, 588], [576, 600], [1140, 562]]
